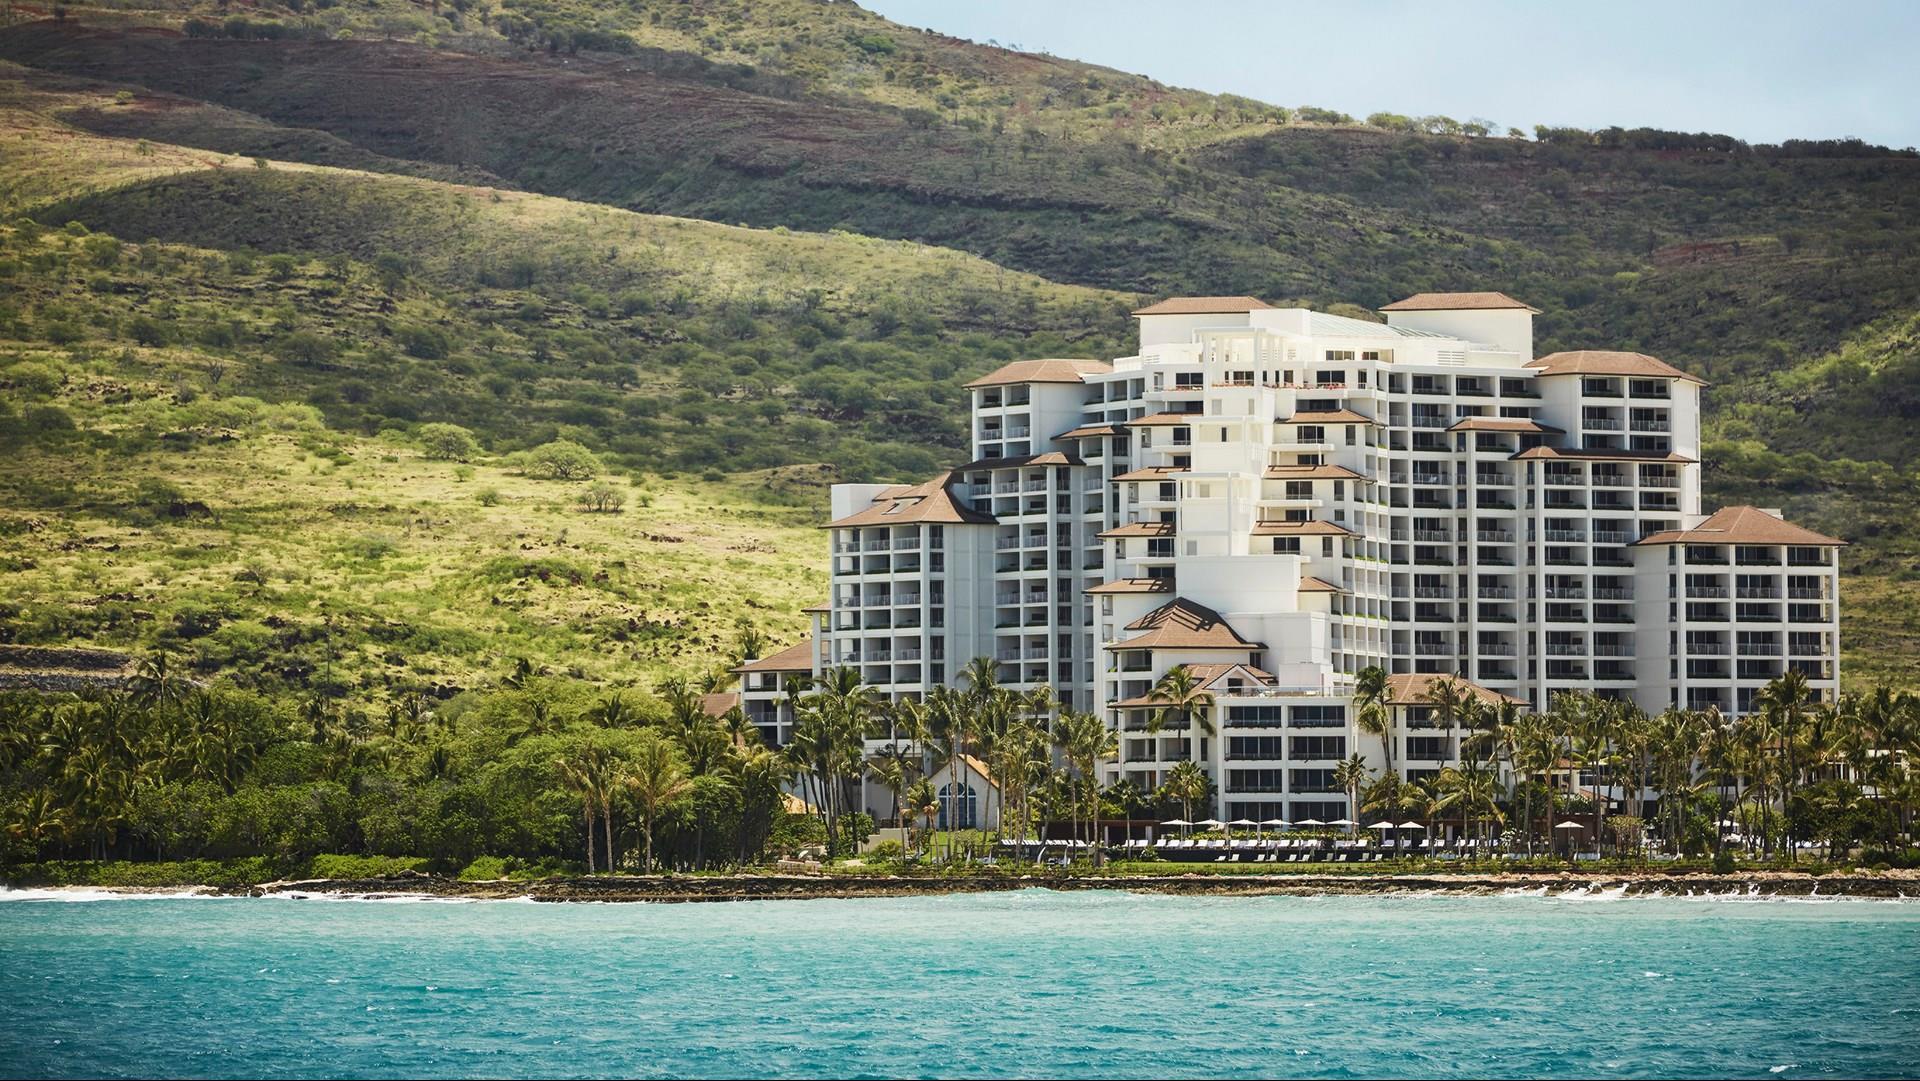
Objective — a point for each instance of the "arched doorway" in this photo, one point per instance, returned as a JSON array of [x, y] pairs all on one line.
[[958, 807]]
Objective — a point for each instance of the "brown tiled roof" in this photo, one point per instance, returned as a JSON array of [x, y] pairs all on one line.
[[795, 658], [1052, 457], [933, 501], [1041, 371], [1742, 525], [1329, 416], [1605, 362], [1133, 585], [823, 606], [1203, 306], [1182, 624], [1153, 472], [717, 705], [1503, 424], [1141, 529], [1312, 527], [1312, 472], [1165, 420], [1310, 584], [1205, 675], [1618, 454], [1089, 430], [1410, 689], [1457, 302]]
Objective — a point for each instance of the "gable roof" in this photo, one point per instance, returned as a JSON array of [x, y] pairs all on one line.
[[1328, 416], [1607, 362], [1182, 624], [1088, 430], [1204, 306], [1165, 420], [795, 658], [1154, 472], [932, 501], [1312, 527], [1503, 424], [717, 705], [1140, 529], [1457, 302], [1204, 676], [1311, 472], [1310, 584], [1599, 454], [1743, 525], [1051, 457], [1411, 688], [1133, 585], [1052, 370]]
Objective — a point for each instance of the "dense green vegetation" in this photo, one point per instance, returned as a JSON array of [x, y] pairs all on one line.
[[309, 237], [518, 779], [525, 777]]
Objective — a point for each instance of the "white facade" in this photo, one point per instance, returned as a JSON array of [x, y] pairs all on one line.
[[1423, 495]]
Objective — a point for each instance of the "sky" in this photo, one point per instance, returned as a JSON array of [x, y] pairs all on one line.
[[1760, 70]]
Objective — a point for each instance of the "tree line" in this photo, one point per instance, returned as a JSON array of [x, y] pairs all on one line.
[[554, 773]]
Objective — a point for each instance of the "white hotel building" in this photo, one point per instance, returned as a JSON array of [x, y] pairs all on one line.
[[1278, 498]]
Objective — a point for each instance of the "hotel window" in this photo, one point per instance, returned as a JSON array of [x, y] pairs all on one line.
[[1318, 748]]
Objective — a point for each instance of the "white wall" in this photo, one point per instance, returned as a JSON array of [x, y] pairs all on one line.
[[1510, 329]]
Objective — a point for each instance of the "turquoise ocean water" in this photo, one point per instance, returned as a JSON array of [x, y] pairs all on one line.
[[1032, 984]]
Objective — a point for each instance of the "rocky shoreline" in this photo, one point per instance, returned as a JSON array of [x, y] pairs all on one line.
[[746, 887]]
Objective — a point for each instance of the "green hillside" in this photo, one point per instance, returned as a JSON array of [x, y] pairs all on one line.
[[526, 218]]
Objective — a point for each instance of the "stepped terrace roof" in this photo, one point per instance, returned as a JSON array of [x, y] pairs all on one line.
[[1458, 302], [1052, 370], [1743, 525]]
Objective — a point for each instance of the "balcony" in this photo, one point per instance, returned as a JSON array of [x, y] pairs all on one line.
[[1640, 425], [1600, 424]]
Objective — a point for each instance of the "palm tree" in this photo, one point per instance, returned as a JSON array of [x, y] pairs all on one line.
[[893, 771], [1785, 703], [1371, 713], [1450, 701], [1086, 741], [1183, 700], [924, 800], [158, 683], [657, 777], [586, 774], [1351, 774], [1188, 783]]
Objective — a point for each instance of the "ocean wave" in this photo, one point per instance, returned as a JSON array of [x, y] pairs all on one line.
[[89, 893]]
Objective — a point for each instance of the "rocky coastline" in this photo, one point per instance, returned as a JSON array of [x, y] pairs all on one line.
[[745, 887]]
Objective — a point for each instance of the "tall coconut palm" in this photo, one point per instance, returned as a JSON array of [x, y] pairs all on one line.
[[1371, 713], [1351, 774], [1188, 783], [923, 799], [585, 773], [1786, 702], [893, 770], [1181, 701], [656, 776]]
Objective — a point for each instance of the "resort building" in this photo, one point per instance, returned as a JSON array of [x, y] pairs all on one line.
[[1278, 498]]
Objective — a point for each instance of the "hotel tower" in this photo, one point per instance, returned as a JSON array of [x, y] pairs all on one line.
[[1277, 498]]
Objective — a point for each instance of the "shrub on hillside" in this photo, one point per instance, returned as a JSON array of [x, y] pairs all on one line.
[[602, 498], [562, 459], [446, 442]]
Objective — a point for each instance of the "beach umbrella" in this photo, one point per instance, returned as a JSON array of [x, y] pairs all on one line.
[[1209, 823], [1569, 825], [1243, 822], [1176, 822], [1277, 823], [1309, 822], [1383, 826]]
